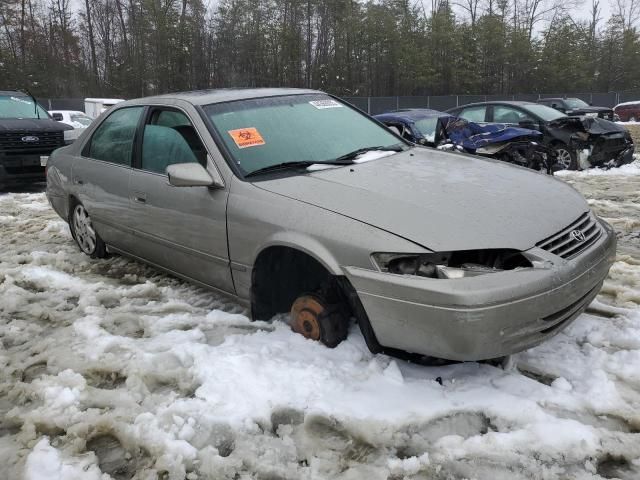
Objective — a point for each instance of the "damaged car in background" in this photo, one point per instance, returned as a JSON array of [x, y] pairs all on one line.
[[580, 142], [434, 253], [432, 128]]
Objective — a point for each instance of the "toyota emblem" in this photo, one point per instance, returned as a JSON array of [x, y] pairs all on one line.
[[577, 235], [30, 139]]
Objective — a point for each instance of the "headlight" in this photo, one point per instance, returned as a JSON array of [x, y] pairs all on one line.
[[459, 264]]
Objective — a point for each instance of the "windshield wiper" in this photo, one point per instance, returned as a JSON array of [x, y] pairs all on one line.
[[35, 103], [352, 155], [294, 165]]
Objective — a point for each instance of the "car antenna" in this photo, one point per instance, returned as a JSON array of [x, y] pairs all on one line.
[[35, 103]]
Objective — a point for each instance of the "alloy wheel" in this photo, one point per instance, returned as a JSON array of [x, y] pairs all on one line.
[[83, 229], [563, 158]]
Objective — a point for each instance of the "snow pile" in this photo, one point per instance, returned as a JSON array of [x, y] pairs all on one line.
[[113, 370], [632, 168]]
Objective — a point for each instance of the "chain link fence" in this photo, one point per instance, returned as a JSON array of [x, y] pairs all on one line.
[[375, 105]]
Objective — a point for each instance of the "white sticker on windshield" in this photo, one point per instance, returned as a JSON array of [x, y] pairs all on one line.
[[322, 104], [21, 100]]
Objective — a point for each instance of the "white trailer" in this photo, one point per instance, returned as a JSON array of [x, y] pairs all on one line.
[[95, 106]]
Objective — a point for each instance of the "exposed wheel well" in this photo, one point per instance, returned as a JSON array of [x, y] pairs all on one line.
[[279, 276]]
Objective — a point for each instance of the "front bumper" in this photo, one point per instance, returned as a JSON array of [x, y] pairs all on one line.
[[12, 175], [487, 316]]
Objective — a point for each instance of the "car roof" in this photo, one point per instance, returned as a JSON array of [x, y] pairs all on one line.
[[557, 98], [496, 102], [207, 97], [411, 114], [16, 93]]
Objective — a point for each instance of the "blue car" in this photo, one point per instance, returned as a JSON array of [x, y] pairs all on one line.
[[520, 146]]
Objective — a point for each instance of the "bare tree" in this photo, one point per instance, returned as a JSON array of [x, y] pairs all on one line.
[[628, 11]]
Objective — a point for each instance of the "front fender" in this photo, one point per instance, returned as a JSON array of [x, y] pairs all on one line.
[[258, 219]]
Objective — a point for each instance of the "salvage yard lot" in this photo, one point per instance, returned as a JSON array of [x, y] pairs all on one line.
[[111, 367]]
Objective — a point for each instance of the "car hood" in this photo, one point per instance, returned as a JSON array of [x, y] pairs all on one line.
[[442, 201], [581, 110], [31, 125]]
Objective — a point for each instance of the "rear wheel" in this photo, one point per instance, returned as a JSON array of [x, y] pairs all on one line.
[[565, 158], [84, 234], [313, 317]]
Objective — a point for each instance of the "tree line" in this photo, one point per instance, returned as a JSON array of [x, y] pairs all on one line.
[[132, 48]]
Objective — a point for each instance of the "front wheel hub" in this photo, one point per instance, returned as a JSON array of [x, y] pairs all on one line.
[[313, 317], [305, 316]]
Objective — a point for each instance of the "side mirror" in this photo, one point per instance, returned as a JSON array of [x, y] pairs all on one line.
[[57, 117], [189, 175]]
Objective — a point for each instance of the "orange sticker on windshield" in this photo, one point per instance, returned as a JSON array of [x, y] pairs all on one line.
[[246, 137]]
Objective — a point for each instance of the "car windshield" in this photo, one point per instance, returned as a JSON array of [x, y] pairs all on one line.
[[427, 127], [263, 132], [575, 103], [547, 114], [19, 106], [81, 118]]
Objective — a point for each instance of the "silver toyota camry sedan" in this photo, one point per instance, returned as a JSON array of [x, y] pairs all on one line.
[[293, 201]]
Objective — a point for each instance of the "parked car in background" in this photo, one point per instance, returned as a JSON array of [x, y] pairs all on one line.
[[579, 142], [94, 107], [333, 217], [27, 132], [79, 121], [432, 128], [74, 118], [628, 111], [576, 106]]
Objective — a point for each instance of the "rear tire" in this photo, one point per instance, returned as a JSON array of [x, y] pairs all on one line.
[[314, 318], [84, 233], [565, 157]]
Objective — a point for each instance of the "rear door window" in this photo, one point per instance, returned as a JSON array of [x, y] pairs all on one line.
[[474, 114], [113, 139]]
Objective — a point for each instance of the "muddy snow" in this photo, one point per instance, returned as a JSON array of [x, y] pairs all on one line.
[[113, 370]]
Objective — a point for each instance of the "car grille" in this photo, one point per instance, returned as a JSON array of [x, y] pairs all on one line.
[[11, 141], [568, 243]]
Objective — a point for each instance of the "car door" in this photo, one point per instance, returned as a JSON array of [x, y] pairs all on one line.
[[182, 229], [101, 177]]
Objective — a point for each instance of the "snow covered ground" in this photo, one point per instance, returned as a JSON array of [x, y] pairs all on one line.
[[110, 369]]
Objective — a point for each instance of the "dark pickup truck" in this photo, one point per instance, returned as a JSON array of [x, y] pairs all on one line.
[[575, 107], [27, 132]]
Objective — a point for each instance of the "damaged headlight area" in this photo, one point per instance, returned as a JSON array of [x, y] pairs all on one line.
[[449, 265]]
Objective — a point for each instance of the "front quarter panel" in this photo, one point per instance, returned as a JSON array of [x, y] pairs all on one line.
[[258, 219]]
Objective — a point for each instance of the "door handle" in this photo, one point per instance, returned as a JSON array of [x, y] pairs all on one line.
[[140, 197]]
